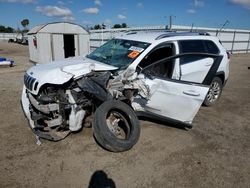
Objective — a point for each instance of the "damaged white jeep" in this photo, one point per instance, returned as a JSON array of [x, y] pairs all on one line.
[[163, 75]]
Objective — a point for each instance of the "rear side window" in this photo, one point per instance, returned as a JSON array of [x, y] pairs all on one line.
[[188, 46], [194, 46], [211, 47]]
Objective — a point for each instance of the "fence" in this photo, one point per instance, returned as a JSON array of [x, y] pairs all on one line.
[[234, 40], [7, 36]]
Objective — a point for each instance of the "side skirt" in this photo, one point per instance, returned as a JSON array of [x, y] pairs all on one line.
[[156, 117]]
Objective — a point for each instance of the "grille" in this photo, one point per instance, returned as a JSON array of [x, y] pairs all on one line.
[[29, 81]]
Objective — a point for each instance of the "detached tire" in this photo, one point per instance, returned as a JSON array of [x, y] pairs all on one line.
[[214, 92], [115, 126]]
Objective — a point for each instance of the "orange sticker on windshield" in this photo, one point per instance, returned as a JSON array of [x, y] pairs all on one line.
[[133, 54]]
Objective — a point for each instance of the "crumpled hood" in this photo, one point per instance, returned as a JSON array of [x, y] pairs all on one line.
[[59, 72]]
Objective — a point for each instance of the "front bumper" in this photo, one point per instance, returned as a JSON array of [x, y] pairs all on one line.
[[27, 105]]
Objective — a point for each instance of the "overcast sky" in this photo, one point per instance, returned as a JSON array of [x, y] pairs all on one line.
[[205, 13]]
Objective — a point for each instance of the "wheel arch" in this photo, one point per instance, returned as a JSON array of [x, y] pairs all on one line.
[[221, 75]]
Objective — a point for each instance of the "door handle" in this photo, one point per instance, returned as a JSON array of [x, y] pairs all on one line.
[[191, 93]]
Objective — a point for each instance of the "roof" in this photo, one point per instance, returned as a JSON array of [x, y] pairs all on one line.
[[36, 29], [41, 28], [151, 36]]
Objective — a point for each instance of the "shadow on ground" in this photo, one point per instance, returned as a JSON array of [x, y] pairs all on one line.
[[101, 180]]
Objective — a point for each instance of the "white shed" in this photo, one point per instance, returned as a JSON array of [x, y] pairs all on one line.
[[56, 41]]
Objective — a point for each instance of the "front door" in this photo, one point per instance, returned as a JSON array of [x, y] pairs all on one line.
[[69, 45], [176, 99]]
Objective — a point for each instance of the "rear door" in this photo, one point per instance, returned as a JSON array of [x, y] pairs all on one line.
[[195, 68], [176, 99]]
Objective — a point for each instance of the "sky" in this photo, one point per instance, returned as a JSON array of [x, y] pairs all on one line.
[[201, 13]]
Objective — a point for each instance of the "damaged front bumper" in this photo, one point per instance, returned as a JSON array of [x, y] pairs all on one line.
[[30, 108], [56, 110]]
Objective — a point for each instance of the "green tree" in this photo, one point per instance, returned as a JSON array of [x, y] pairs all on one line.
[[116, 26], [25, 23], [124, 25], [9, 30], [4, 29], [98, 26]]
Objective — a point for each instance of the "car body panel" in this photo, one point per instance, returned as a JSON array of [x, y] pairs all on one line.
[[175, 99], [60, 72], [25, 103], [196, 71]]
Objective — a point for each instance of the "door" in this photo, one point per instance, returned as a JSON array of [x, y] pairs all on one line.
[[175, 99], [194, 68], [69, 45], [57, 47]]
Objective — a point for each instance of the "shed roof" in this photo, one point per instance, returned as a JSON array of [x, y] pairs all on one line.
[[58, 27], [36, 29]]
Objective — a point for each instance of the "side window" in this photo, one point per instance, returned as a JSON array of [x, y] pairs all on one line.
[[187, 46], [190, 46], [160, 52], [163, 69], [211, 47]]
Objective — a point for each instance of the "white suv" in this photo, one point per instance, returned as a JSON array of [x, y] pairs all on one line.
[[163, 75]]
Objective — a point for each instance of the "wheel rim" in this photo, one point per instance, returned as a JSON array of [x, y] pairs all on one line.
[[118, 125], [214, 92]]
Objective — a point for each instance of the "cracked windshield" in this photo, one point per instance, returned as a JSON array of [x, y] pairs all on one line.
[[118, 53]]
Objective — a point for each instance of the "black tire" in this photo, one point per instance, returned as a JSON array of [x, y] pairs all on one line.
[[116, 126], [214, 92]]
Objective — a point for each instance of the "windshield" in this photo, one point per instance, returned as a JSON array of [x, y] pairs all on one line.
[[118, 52]]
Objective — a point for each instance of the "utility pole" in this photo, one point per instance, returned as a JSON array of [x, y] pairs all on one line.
[[170, 22], [192, 27], [169, 27]]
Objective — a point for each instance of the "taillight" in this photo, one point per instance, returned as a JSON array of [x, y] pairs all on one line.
[[228, 55]]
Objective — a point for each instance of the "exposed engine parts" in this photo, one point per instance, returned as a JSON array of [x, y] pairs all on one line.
[[58, 110]]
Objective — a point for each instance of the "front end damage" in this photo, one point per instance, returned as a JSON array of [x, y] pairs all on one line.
[[57, 110]]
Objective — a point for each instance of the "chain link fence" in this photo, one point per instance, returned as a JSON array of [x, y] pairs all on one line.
[[234, 40]]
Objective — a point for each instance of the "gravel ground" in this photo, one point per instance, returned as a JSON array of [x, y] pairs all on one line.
[[215, 153]]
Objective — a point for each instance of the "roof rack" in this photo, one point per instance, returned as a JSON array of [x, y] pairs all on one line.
[[204, 33], [131, 33], [173, 34]]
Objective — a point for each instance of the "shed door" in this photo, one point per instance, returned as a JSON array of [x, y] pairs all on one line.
[[57, 46], [69, 45]]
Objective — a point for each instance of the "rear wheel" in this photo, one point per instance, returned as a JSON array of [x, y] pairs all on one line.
[[214, 92], [116, 127]]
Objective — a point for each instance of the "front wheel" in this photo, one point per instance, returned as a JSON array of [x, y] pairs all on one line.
[[116, 127], [214, 92]]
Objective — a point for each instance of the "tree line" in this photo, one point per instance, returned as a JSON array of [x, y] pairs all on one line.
[[115, 26], [4, 29], [25, 23], [7, 29]]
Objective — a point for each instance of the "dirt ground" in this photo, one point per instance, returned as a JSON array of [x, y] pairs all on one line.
[[215, 153]]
